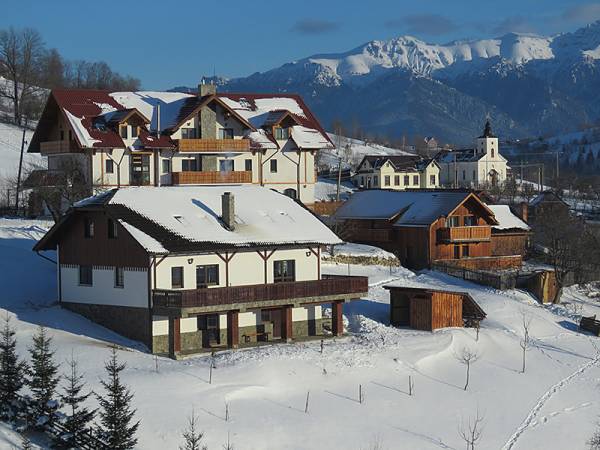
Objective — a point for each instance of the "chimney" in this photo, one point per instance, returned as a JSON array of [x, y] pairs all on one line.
[[206, 89], [524, 212], [228, 210]]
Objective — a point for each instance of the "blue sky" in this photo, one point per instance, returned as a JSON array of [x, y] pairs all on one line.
[[166, 44]]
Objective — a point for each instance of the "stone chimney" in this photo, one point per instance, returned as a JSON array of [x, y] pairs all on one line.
[[228, 210], [524, 211], [206, 89]]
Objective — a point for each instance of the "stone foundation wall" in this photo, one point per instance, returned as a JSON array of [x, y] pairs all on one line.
[[133, 323]]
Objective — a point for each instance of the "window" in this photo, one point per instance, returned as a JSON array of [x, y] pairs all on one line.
[[290, 193], [273, 166], [88, 231], [492, 152], [166, 166], [177, 277], [375, 180], [226, 165], [397, 180], [226, 133], [432, 180], [457, 252], [188, 133], [464, 174], [465, 251], [284, 271], [282, 134], [386, 180], [470, 221], [416, 179], [474, 175], [406, 180], [452, 221], [189, 165], [85, 275], [110, 166], [123, 131], [62, 135], [119, 277], [112, 229], [134, 131], [248, 165], [207, 276]]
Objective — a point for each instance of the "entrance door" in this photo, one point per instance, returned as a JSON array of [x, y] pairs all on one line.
[[273, 316], [211, 333], [400, 310], [140, 170]]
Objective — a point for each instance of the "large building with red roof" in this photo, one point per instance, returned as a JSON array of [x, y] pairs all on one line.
[[118, 139]]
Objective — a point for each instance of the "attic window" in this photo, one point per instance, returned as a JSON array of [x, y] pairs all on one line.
[[282, 134]]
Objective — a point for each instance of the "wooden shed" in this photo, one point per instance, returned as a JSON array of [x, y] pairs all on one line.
[[430, 309]]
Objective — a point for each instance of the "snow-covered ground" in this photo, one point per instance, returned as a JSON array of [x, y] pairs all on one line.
[[10, 151], [554, 405]]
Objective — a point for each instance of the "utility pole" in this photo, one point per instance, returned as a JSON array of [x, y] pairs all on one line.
[[339, 179], [557, 174], [20, 168]]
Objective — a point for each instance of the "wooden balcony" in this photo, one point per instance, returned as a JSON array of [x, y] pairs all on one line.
[[211, 177], [465, 234], [213, 145], [328, 289], [55, 147]]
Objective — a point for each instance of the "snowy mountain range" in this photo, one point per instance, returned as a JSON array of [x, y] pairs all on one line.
[[529, 84]]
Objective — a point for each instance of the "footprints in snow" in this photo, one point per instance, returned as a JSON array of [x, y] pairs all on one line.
[[545, 419]]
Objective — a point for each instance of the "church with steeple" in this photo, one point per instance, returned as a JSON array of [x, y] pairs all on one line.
[[474, 167]]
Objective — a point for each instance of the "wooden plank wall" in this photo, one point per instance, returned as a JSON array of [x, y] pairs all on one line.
[[509, 244], [446, 310], [421, 312]]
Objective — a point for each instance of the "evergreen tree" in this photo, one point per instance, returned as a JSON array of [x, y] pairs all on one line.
[[12, 370], [26, 443], [192, 436], [115, 408], [78, 417], [43, 377]]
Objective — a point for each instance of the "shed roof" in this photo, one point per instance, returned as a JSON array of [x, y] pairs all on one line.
[[507, 220]]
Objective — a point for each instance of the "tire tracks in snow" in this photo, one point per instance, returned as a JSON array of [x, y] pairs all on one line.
[[544, 398]]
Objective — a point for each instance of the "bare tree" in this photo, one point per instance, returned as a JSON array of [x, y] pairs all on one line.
[[20, 54], [471, 431], [525, 342], [467, 357], [61, 188]]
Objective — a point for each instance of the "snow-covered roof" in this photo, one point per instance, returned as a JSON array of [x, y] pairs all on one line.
[[413, 208], [193, 215], [506, 219], [85, 110]]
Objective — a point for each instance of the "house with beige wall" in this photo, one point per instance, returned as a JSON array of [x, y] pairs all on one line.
[[118, 139], [198, 268], [396, 172]]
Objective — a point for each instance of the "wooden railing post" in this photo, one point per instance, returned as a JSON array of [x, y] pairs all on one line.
[[337, 318]]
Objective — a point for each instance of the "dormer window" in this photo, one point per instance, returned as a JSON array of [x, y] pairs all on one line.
[[282, 134], [123, 131], [134, 132]]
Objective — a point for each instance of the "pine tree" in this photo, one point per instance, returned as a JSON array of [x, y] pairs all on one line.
[[78, 417], [12, 370], [43, 377], [115, 410], [192, 436], [26, 443]]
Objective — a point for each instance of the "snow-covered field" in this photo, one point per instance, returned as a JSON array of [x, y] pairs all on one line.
[[554, 405], [10, 151]]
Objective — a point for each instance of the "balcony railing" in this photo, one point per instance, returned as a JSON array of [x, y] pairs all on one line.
[[326, 287], [465, 234], [51, 147], [211, 177], [213, 145]]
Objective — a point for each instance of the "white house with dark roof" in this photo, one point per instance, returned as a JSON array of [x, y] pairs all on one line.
[[119, 139], [186, 269], [397, 172], [476, 167]]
